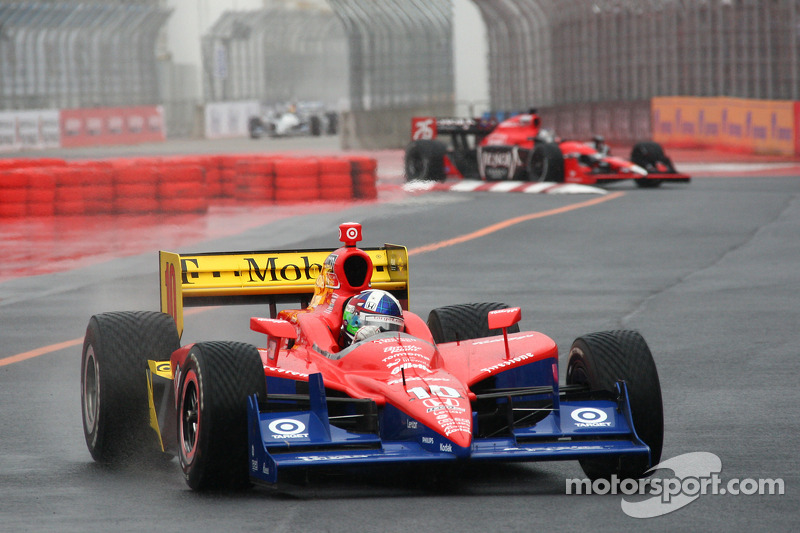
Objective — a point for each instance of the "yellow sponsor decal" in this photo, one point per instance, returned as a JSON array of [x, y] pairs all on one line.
[[164, 370], [278, 272]]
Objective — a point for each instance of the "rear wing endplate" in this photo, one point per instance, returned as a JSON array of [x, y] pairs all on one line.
[[205, 279]]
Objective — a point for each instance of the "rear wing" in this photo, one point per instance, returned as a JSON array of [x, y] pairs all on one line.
[[432, 127], [206, 279]]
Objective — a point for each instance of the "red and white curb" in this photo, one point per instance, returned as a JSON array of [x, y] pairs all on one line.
[[539, 187]]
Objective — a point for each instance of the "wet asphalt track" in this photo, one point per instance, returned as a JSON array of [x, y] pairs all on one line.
[[708, 273]]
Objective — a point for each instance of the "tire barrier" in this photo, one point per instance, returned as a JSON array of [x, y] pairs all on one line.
[[364, 172], [296, 180], [255, 180], [336, 179], [178, 184], [13, 193]]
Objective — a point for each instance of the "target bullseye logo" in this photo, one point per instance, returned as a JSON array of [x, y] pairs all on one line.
[[589, 415], [350, 233], [286, 427]]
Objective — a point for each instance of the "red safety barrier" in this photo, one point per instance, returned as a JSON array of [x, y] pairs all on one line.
[[255, 180], [182, 187], [227, 178], [135, 187], [335, 179], [296, 180], [176, 184], [13, 193], [22, 162], [69, 192], [364, 171], [41, 192], [97, 180]]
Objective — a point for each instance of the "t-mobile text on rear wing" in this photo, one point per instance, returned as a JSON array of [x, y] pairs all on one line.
[[271, 277]]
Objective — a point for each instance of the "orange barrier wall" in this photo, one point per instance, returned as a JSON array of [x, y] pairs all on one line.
[[177, 184], [753, 126]]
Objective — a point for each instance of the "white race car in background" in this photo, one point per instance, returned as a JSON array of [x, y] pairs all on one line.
[[307, 118]]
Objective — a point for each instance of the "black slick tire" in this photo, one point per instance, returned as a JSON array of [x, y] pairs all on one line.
[[214, 384], [599, 360], [464, 321], [424, 161], [114, 403], [648, 155], [546, 163]]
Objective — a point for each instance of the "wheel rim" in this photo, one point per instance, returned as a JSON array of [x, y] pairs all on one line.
[[576, 374], [190, 419], [91, 391], [416, 167], [539, 168]]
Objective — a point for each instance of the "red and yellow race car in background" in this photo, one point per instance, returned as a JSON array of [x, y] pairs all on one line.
[[466, 386], [518, 149]]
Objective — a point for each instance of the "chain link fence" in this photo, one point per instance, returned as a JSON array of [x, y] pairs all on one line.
[[383, 62], [400, 65], [276, 56], [71, 55], [561, 52]]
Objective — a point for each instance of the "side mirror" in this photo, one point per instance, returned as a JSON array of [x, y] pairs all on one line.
[[504, 318]]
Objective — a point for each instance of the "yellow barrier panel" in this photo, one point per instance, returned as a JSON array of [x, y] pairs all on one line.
[[757, 126]]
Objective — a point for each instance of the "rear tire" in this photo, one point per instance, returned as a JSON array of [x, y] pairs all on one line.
[[599, 360], [424, 161], [256, 127], [315, 125], [114, 404], [546, 163], [216, 380], [464, 321]]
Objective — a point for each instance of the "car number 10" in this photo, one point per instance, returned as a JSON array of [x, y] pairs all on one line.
[[436, 390]]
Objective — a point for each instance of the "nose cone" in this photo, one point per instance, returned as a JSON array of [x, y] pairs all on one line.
[[457, 429], [462, 443]]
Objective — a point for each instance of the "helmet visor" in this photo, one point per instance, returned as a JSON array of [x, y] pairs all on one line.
[[384, 322]]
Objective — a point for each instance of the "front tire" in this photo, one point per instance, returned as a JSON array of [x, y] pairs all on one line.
[[649, 155], [114, 403], [464, 321], [215, 382], [546, 163], [599, 360], [424, 161]]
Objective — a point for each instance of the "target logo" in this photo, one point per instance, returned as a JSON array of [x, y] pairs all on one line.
[[287, 428], [589, 416], [350, 233]]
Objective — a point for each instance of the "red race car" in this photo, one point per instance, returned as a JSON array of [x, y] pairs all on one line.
[[352, 378], [519, 149]]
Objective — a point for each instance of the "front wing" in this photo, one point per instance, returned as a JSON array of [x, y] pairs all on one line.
[[293, 439], [677, 177]]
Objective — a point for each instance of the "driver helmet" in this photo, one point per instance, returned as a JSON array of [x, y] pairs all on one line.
[[370, 312], [599, 143]]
